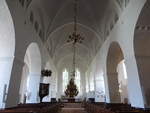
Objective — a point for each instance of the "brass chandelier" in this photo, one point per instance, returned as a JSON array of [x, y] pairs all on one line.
[[74, 38]]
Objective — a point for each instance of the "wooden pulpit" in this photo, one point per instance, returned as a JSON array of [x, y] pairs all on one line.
[[43, 90]]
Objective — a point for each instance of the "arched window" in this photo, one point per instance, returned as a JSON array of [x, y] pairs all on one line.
[[65, 79], [77, 79]]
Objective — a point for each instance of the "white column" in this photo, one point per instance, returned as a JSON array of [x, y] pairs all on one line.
[[33, 88], [60, 85], [5, 73], [113, 87], [83, 84], [134, 86], [23, 86], [14, 85]]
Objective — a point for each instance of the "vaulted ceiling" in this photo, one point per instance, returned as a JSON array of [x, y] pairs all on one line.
[[96, 18]]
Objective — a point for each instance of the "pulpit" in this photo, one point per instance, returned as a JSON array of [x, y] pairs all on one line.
[[43, 91]]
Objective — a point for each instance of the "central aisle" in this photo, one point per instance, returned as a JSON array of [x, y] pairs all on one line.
[[73, 108]]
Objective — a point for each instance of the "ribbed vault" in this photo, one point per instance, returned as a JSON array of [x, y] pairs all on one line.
[[96, 19]]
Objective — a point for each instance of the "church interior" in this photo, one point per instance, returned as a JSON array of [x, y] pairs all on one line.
[[74, 56]]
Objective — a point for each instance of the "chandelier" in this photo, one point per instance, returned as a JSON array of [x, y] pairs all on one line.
[[74, 38]]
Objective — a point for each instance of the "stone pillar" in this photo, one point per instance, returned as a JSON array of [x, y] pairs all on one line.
[[134, 86], [113, 88], [23, 86], [143, 64], [33, 88], [60, 85], [5, 73], [83, 84], [14, 85]]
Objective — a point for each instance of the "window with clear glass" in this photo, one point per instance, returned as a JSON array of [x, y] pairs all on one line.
[[78, 79], [65, 79]]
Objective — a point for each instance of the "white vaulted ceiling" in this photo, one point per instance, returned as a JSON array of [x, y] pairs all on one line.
[[96, 18]]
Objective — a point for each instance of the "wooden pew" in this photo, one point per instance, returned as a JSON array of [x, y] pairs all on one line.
[[124, 108], [16, 111], [93, 108], [34, 108], [112, 108], [119, 107]]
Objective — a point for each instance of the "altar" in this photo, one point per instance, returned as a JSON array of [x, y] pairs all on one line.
[[71, 100]]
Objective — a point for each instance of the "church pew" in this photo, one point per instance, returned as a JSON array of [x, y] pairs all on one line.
[[35, 105], [21, 110], [92, 108], [119, 107], [100, 104], [124, 108], [113, 108], [51, 109], [16, 111], [34, 108]]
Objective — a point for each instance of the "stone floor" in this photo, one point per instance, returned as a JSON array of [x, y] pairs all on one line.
[[73, 108]]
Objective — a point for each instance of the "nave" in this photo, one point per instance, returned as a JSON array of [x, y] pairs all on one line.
[[94, 52]]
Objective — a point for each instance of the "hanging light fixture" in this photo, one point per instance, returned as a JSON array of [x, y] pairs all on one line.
[[74, 38]]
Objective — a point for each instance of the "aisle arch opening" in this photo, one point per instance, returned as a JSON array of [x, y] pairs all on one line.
[[117, 75]]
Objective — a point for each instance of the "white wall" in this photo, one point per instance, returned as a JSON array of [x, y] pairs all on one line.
[[99, 88], [33, 88], [60, 92]]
